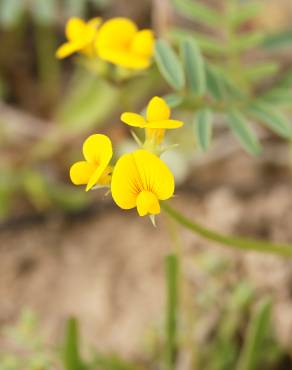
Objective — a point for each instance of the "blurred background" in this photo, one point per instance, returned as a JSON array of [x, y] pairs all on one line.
[[59, 256]]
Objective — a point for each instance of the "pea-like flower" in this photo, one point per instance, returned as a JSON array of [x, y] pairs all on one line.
[[95, 170], [81, 36], [157, 119], [141, 179], [120, 42]]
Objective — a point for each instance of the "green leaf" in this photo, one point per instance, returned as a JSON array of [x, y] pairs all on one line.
[[273, 119], [173, 100], [254, 342], [259, 71], [45, 11], [242, 131], [203, 128], [215, 84], [278, 95], [245, 13], [11, 12], [169, 65], [194, 66], [195, 10], [88, 103], [111, 362], [71, 357], [247, 40], [279, 40], [208, 44], [172, 276]]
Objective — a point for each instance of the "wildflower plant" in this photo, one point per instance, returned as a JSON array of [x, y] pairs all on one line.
[[209, 78]]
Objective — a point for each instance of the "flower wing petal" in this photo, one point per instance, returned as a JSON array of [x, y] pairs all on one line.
[[154, 174], [116, 33], [67, 49], [80, 172], [167, 124], [125, 185], [97, 149], [74, 27], [157, 110], [143, 43], [133, 119]]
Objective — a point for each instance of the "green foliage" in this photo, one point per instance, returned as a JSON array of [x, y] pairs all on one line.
[[203, 128], [222, 81], [169, 65], [70, 348], [172, 280]]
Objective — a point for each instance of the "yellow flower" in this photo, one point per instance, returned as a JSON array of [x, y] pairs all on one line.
[[141, 179], [121, 43], [97, 151], [157, 119], [81, 36]]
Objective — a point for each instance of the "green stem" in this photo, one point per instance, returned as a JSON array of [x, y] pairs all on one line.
[[171, 272], [231, 241]]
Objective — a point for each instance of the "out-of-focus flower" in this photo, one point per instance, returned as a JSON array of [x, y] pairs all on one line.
[[95, 170], [141, 179], [81, 36], [120, 42], [157, 119]]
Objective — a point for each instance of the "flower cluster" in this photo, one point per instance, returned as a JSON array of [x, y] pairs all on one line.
[[139, 179], [117, 41]]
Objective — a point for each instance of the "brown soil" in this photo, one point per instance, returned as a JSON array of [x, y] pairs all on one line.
[[106, 267]]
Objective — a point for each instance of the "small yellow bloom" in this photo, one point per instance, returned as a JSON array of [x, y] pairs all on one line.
[[97, 151], [121, 43], [141, 179], [80, 36], [157, 119]]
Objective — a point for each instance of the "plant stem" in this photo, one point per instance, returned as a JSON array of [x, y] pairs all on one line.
[[171, 272], [231, 241]]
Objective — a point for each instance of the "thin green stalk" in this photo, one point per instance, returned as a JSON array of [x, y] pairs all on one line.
[[231, 241], [172, 272]]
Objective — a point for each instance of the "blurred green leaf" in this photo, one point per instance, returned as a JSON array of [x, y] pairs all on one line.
[[196, 10], [215, 83], [70, 348], [242, 131], [267, 115], [254, 341], [173, 100], [247, 40], [208, 44], [45, 11], [35, 186], [169, 65], [194, 66], [172, 277], [11, 12], [75, 8], [67, 197], [278, 95], [278, 40], [203, 128], [111, 362], [258, 71], [245, 13], [88, 103]]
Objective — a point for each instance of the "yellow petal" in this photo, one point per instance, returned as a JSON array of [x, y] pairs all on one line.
[[67, 49], [147, 202], [97, 149], [167, 124], [125, 182], [94, 22], [137, 172], [95, 177], [157, 110], [80, 172], [116, 33], [133, 119], [143, 43], [74, 27]]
